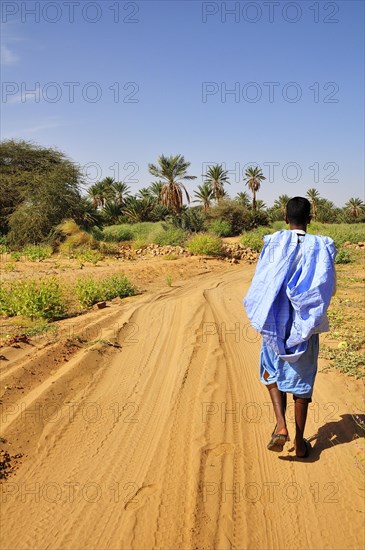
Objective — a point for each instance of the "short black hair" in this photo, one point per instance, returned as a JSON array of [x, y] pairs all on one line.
[[298, 210]]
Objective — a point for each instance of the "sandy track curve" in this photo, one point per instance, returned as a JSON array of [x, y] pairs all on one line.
[[162, 443]]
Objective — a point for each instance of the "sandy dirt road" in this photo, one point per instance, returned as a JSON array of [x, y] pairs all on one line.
[[154, 437]]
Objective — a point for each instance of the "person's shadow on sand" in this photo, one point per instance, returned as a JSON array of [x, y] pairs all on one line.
[[349, 428]]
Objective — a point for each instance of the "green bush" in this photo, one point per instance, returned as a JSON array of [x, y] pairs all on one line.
[[97, 233], [339, 232], [205, 245], [262, 230], [146, 230], [231, 211], [89, 291], [278, 225], [190, 219], [117, 233], [173, 236], [37, 253], [348, 362], [343, 257], [255, 219], [220, 227], [252, 240], [41, 298], [143, 231], [117, 286]]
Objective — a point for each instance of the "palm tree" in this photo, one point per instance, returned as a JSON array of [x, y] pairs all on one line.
[[111, 212], [260, 205], [216, 177], [120, 190], [190, 219], [253, 177], [204, 195], [355, 207], [89, 216], [144, 193], [314, 196], [172, 170], [108, 181], [243, 199], [100, 192], [94, 196], [280, 204], [326, 212], [139, 210], [156, 190]]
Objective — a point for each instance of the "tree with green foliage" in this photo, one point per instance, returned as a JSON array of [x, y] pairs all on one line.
[[173, 171], [120, 190], [253, 177], [217, 177], [280, 204], [144, 193], [156, 191], [190, 219], [139, 210], [159, 212], [314, 197], [88, 217], [111, 212], [243, 199], [95, 195], [204, 195], [260, 206], [235, 214], [39, 188], [327, 212], [355, 208], [101, 192]]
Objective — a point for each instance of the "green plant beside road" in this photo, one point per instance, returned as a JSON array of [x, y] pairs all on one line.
[[89, 291], [205, 245]]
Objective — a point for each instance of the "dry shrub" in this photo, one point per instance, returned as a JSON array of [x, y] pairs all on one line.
[[75, 237]]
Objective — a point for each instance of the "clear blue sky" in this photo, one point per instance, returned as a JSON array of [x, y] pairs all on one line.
[[168, 51]]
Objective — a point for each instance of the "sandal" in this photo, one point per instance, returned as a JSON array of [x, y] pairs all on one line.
[[277, 441]]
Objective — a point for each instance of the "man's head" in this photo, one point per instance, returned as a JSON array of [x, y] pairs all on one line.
[[298, 212]]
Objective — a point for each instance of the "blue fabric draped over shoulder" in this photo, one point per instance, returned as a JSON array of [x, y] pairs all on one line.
[[288, 306]]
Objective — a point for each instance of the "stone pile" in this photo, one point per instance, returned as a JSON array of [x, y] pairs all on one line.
[[232, 252], [126, 252], [235, 252], [162, 250], [348, 244]]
